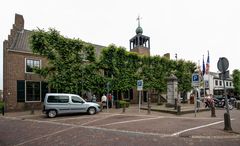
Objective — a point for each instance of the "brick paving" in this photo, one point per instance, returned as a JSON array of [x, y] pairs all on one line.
[[113, 127]]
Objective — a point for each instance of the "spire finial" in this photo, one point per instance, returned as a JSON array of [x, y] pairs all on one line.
[[139, 29], [138, 19]]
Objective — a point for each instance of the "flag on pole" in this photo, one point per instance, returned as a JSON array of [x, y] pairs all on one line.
[[208, 64], [203, 67], [199, 70]]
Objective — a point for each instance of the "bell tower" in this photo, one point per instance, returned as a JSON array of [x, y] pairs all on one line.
[[140, 43]]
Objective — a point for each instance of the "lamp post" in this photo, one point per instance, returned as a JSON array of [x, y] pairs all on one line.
[[82, 83], [83, 62]]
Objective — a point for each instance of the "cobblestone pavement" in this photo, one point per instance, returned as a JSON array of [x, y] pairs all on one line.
[[113, 127]]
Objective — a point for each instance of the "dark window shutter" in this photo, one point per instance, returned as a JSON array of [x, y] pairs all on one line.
[[20, 91], [44, 90]]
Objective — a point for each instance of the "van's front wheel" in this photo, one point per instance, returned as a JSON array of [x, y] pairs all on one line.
[[52, 113], [92, 111]]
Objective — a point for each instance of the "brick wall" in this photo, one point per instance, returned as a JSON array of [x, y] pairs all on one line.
[[141, 51], [15, 70]]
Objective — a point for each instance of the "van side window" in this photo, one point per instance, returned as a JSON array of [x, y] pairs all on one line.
[[58, 99], [76, 99], [63, 99]]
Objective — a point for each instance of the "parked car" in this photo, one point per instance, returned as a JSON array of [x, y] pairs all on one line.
[[61, 103]]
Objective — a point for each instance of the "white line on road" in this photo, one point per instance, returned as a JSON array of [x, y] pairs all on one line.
[[131, 121], [198, 127], [97, 120], [73, 118]]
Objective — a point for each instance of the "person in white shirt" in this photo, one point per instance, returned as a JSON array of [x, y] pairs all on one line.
[[104, 100]]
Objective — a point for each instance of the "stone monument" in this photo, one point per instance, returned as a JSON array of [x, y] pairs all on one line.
[[172, 90]]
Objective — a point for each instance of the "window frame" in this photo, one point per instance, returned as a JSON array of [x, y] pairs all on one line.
[[40, 91], [81, 100], [33, 60], [216, 83], [220, 83]]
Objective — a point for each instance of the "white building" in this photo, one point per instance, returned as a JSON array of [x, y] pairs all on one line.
[[214, 85]]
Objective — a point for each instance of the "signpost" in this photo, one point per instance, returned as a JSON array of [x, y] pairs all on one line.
[[195, 84], [195, 80], [139, 88], [108, 84], [223, 65]]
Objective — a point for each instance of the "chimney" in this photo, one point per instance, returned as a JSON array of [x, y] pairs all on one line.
[[19, 22]]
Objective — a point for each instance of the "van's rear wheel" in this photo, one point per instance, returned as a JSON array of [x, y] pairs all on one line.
[[92, 111], [52, 113]]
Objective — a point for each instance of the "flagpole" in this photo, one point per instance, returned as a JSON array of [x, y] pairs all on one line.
[[204, 90], [208, 71]]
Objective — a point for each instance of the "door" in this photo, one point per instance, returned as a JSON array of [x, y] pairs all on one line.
[[77, 105], [59, 102]]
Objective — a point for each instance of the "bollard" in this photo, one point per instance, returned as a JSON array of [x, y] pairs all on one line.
[[238, 105], [149, 109], [32, 109], [178, 110], [3, 110], [101, 107], [124, 107], [175, 104], [213, 113], [227, 122]]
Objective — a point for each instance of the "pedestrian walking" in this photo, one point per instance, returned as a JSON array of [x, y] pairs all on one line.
[[94, 99], [104, 101], [109, 100]]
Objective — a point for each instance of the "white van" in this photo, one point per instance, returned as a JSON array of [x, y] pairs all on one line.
[[61, 103]]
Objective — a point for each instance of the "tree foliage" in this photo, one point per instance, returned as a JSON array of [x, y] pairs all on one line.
[[66, 60], [236, 81], [124, 68], [120, 67]]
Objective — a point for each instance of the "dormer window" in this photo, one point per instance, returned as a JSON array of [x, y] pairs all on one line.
[[30, 64]]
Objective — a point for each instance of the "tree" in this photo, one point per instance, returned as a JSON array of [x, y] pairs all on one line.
[[66, 60], [120, 67], [236, 81], [184, 70], [156, 69]]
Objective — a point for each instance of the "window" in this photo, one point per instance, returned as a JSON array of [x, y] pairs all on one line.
[[220, 83], [76, 99], [32, 91], [58, 99], [230, 84], [226, 83], [30, 64], [216, 82]]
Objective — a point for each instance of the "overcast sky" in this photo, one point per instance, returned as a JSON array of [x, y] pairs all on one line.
[[187, 27]]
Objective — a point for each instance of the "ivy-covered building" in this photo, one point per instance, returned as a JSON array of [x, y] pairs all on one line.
[[21, 86]]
